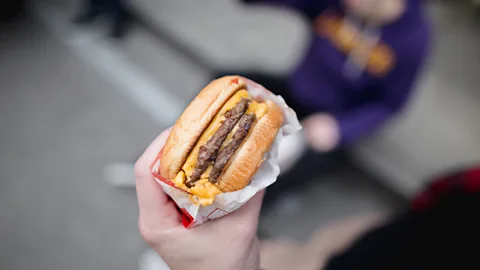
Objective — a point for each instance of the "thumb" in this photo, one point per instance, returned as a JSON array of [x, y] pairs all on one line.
[[156, 209]]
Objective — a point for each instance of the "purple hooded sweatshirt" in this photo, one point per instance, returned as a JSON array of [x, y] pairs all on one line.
[[361, 102]]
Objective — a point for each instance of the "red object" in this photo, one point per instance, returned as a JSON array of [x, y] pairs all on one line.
[[423, 202], [472, 180], [187, 219], [466, 182], [234, 81], [157, 175]]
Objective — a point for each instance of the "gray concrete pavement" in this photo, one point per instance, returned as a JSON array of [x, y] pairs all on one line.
[[60, 124]]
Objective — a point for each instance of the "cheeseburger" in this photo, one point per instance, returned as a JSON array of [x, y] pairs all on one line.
[[220, 140]]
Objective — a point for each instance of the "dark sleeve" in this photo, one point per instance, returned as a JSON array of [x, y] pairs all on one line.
[[440, 231], [359, 122], [395, 90]]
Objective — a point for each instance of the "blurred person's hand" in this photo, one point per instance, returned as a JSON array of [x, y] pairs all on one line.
[[226, 243], [377, 11], [327, 241], [322, 132]]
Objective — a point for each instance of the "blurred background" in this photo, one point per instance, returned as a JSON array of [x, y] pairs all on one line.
[[73, 100]]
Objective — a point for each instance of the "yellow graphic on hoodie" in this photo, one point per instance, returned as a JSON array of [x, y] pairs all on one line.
[[348, 38]]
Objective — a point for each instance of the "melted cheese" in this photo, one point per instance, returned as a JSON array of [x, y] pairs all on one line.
[[204, 192], [203, 188]]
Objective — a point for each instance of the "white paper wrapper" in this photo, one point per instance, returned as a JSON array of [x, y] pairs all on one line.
[[225, 203]]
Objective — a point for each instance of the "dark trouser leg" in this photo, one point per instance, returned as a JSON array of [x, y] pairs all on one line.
[[437, 232], [10, 10], [391, 246], [310, 166], [91, 10], [119, 18]]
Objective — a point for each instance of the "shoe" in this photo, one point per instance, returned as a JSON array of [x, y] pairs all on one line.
[[120, 27], [85, 17], [120, 174]]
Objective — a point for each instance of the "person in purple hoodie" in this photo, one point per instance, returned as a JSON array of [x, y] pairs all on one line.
[[358, 72]]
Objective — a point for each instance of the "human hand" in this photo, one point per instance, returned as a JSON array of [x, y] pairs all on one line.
[[285, 254], [322, 132], [226, 243], [375, 11]]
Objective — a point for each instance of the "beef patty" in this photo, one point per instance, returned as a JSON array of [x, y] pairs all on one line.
[[208, 151], [227, 152]]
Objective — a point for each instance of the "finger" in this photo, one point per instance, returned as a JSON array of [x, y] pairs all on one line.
[[156, 209], [154, 148]]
